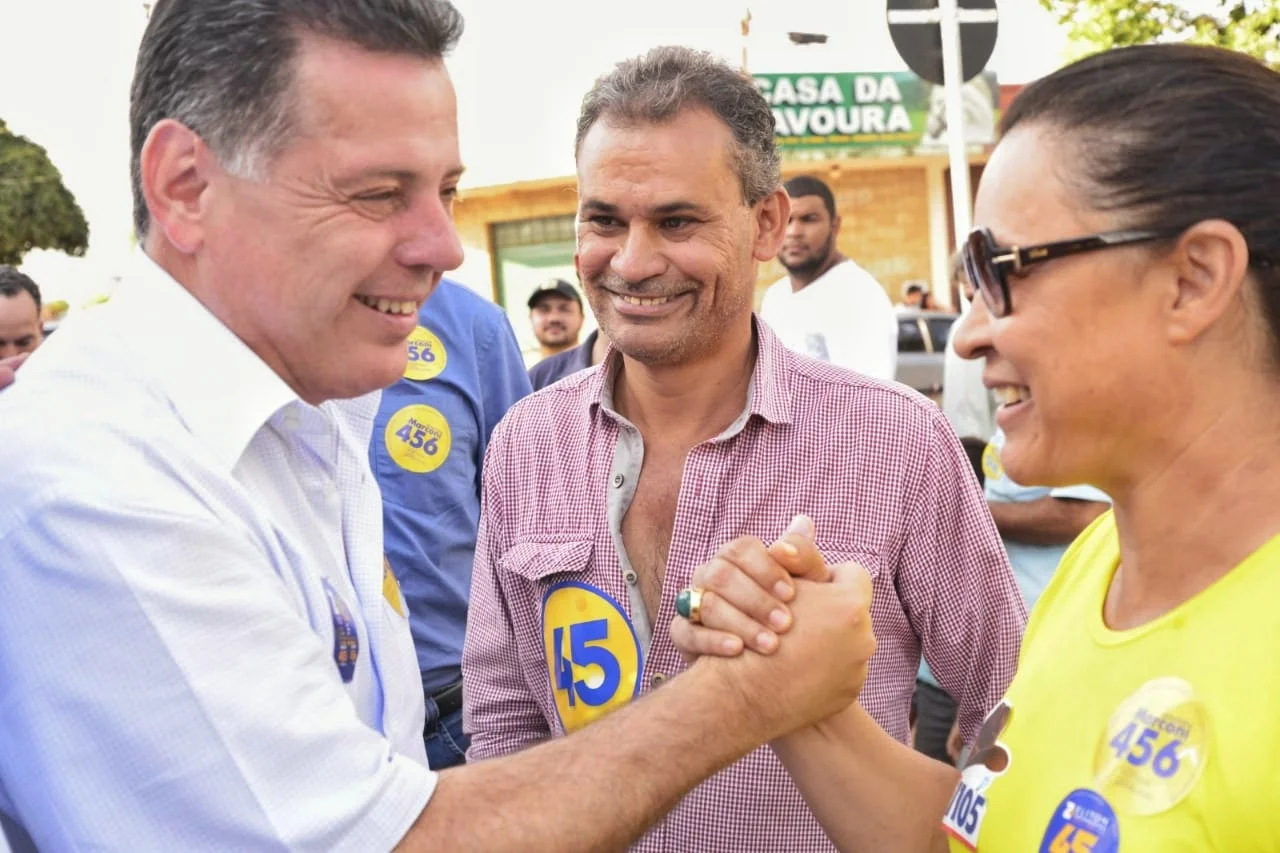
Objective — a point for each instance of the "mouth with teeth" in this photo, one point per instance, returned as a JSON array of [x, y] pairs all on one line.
[[388, 306], [636, 300], [1011, 395]]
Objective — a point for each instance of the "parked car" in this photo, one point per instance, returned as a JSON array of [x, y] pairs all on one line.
[[922, 342]]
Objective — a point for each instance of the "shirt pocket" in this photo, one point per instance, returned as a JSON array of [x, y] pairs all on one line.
[[840, 552], [578, 647]]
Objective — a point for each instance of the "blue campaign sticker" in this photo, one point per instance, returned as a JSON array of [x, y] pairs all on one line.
[[1083, 822], [346, 642]]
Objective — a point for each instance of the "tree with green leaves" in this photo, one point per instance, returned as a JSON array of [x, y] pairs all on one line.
[[1249, 26], [36, 210]]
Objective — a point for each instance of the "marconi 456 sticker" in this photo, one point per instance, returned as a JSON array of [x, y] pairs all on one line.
[[1155, 748], [418, 439], [427, 356]]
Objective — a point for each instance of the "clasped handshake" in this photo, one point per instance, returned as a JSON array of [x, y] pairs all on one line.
[[789, 631]]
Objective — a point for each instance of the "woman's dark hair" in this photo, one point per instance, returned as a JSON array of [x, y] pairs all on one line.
[[1172, 135]]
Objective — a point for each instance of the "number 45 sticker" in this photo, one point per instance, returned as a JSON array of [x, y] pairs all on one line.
[[593, 656]]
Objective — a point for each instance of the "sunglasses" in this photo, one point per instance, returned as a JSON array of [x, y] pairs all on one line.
[[988, 264]]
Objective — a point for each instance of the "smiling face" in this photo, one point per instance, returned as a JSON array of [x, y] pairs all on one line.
[[1082, 365], [666, 245], [321, 267]]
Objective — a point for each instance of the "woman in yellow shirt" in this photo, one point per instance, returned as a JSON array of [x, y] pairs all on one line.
[[1129, 263]]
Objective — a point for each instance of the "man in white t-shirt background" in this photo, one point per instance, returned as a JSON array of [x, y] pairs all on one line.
[[828, 307]]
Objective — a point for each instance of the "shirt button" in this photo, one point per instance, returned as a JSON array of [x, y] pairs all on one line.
[[657, 681], [618, 480], [630, 577]]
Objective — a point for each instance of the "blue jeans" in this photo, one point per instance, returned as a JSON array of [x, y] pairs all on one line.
[[447, 745]]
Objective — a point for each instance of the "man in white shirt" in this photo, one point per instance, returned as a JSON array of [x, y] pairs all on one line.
[[828, 307], [201, 647]]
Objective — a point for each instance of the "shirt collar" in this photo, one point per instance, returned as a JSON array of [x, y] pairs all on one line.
[[219, 387], [769, 395]]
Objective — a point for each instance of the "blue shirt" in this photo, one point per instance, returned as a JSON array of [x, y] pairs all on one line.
[[1033, 565], [199, 647], [429, 439], [554, 368]]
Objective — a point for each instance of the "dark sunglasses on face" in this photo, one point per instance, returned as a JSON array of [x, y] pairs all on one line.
[[987, 265]]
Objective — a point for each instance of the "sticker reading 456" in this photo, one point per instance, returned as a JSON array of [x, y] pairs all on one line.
[[427, 356], [593, 654], [1155, 748], [418, 439]]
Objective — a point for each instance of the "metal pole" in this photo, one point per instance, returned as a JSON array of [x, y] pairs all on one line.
[[952, 73]]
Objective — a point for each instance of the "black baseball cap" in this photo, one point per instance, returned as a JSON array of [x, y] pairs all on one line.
[[557, 286]]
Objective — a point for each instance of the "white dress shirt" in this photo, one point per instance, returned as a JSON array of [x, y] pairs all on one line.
[[199, 649], [843, 317]]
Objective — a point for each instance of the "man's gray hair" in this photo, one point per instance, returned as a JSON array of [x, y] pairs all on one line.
[[224, 68], [656, 87]]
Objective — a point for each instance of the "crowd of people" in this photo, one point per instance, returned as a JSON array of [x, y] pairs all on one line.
[[318, 565]]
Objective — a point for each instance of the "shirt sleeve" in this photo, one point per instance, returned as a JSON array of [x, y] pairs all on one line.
[[160, 689], [956, 584], [499, 712]]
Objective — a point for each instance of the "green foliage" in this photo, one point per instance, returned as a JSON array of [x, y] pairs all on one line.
[[36, 210], [1249, 26]]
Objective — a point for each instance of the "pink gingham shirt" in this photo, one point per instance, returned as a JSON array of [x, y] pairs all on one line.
[[874, 464]]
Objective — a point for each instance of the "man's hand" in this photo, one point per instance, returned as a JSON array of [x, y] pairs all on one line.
[[9, 367], [746, 588], [819, 668]]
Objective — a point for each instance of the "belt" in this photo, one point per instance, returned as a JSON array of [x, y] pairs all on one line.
[[447, 700]]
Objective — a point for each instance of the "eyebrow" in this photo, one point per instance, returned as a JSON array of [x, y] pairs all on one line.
[[592, 205], [404, 176]]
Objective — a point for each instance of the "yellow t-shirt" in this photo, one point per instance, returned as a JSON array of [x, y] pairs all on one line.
[[1161, 738]]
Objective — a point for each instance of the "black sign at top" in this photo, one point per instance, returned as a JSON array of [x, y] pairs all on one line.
[[915, 26]]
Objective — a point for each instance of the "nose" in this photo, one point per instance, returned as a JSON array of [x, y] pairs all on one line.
[[640, 256], [793, 227], [431, 240], [972, 333]]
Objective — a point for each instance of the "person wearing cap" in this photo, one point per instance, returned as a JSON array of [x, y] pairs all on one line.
[[555, 312]]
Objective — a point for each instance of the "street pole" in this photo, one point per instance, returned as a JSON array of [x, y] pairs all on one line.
[[952, 74]]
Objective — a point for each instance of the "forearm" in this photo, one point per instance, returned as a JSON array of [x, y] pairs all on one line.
[[623, 773], [869, 792], [1045, 521]]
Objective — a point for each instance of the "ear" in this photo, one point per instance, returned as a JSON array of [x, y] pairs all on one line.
[[1210, 261], [835, 225], [771, 224], [175, 163]]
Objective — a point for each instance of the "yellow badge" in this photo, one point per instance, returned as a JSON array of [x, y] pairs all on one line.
[[991, 462], [1155, 748], [418, 439], [391, 589], [427, 356], [593, 654]]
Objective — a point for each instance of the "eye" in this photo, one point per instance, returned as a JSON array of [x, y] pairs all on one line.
[[674, 223], [376, 196], [600, 220], [449, 195]]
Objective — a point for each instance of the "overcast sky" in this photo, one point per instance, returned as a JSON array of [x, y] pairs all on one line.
[[520, 71]]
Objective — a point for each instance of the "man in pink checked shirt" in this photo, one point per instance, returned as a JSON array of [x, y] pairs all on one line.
[[698, 440]]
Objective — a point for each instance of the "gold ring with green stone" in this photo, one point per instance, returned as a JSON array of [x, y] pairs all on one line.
[[689, 603]]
